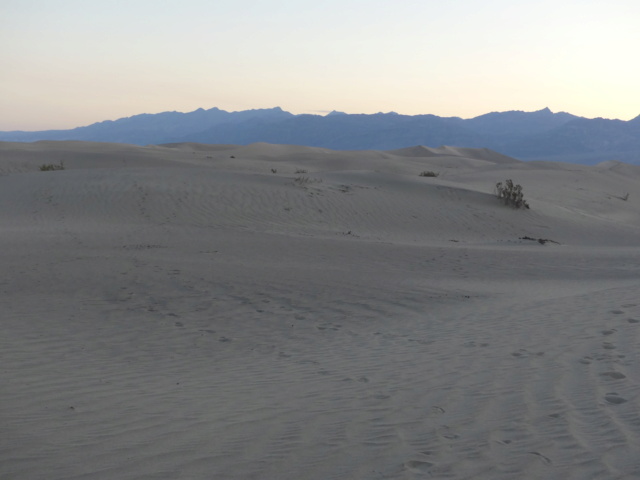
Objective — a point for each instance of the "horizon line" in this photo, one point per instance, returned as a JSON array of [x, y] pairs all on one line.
[[320, 113]]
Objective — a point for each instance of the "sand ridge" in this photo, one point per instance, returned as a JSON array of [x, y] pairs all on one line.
[[194, 311]]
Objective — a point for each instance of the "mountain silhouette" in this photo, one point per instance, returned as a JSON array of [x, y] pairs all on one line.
[[539, 135]]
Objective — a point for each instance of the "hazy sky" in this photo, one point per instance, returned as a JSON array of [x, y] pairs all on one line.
[[66, 63]]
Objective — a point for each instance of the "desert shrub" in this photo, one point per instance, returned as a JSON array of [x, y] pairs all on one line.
[[300, 170], [429, 173], [302, 180], [47, 167], [511, 194], [273, 170]]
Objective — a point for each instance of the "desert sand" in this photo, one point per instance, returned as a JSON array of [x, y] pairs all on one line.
[[280, 312]]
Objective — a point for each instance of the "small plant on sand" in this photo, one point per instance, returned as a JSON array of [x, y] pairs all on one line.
[[300, 170], [303, 181], [429, 173], [273, 170], [511, 194], [47, 167]]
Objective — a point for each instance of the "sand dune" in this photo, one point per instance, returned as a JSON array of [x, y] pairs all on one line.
[[282, 312]]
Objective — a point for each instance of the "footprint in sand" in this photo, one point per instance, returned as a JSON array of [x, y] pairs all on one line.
[[617, 312], [381, 396], [419, 465], [633, 320], [524, 353], [607, 357], [329, 326], [608, 332], [614, 375], [608, 346], [474, 344], [614, 399], [446, 432]]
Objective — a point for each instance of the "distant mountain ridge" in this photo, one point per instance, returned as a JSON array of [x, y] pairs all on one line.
[[540, 135]]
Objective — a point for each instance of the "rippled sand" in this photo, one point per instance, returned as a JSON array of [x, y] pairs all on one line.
[[279, 312]]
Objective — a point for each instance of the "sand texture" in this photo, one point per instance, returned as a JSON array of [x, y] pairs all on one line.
[[279, 312]]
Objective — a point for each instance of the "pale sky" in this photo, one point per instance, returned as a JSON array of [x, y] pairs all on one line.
[[67, 63]]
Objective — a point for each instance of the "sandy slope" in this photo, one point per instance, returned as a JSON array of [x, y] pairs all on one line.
[[193, 311]]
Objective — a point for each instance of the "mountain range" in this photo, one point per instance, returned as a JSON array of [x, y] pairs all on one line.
[[539, 135]]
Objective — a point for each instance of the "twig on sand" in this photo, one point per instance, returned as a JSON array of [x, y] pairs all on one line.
[[541, 241]]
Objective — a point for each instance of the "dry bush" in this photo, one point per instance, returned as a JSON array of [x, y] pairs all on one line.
[[47, 167], [303, 181], [511, 194]]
